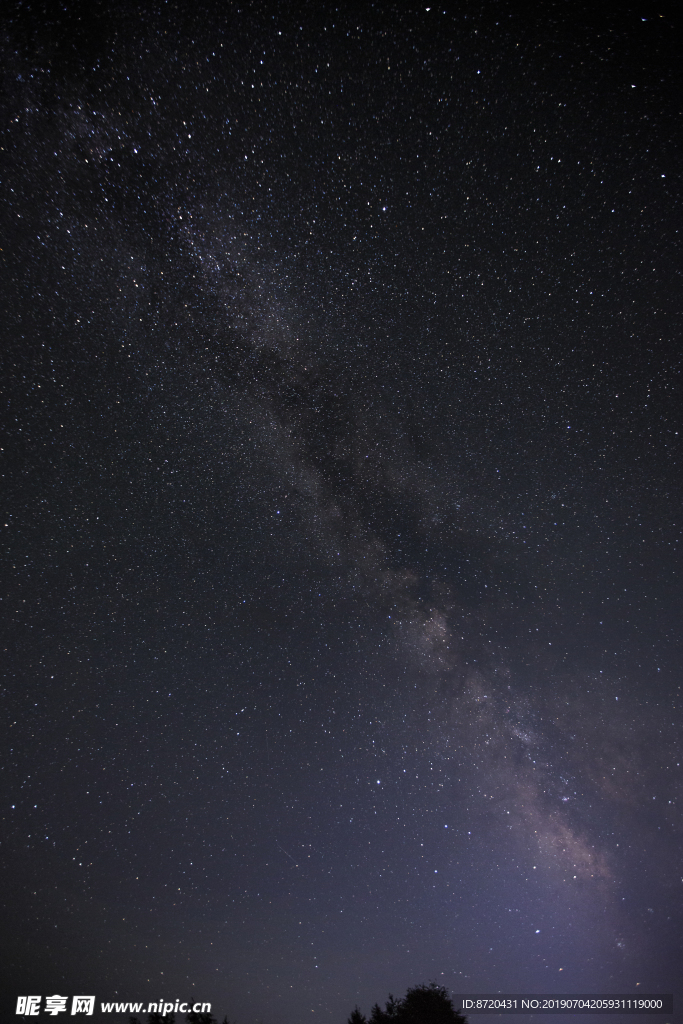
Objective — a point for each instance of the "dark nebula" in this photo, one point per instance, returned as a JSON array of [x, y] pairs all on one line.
[[341, 589]]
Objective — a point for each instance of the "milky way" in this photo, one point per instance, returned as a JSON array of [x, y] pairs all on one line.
[[342, 504]]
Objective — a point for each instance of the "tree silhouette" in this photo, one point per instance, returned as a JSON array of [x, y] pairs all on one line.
[[203, 1018], [156, 1018], [191, 1018], [200, 1018], [422, 1004]]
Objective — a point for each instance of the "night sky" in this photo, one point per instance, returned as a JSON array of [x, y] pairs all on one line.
[[342, 499]]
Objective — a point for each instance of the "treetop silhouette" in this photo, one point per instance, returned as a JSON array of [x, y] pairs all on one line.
[[422, 1004]]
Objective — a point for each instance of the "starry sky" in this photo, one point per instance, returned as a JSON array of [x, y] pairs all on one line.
[[341, 474]]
